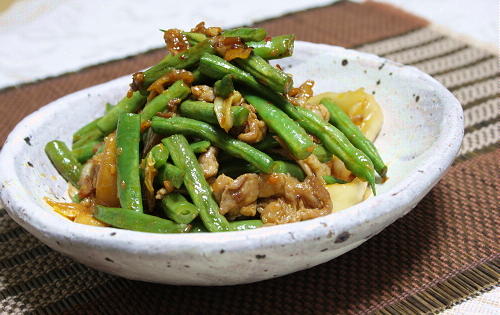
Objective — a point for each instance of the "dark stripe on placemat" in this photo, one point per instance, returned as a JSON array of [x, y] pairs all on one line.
[[444, 54], [87, 298], [481, 124], [454, 88], [43, 279], [7, 236], [24, 256], [469, 65], [480, 101], [401, 35], [430, 41]]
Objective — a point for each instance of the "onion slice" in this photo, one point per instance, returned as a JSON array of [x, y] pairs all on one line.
[[222, 108]]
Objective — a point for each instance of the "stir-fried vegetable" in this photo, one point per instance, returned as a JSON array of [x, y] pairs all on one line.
[[178, 90], [136, 221], [64, 161], [296, 139], [204, 111], [178, 209], [127, 149], [352, 132], [106, 192], [196, 185], [127, 105], [266, 153], [191, 127]]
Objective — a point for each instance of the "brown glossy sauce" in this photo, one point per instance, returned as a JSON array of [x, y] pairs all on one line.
[[159, 85], [209, 31], [231, 48], [176, 41]]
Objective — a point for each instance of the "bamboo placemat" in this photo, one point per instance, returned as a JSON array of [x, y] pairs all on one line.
[[443, 251]]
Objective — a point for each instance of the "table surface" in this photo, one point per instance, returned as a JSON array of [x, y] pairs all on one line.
[[479, 21], [474, 19]]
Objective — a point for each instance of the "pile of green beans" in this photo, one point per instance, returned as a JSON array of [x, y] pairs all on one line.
[[196, 185], [234, 147], [160, 137], [340, 119]]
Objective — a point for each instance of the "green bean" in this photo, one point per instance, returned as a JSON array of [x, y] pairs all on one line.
[[246, 33], [159, 155], [337, 143], [224, 87], [200, 146], [322, 154], [127, 105], [178, 209], [296, 139], [240, 225], [178, 90], [340, 120], [76, 198], [288, 168], [83, 133], [136, 221], [216, 68], [277, 47], [198, 227], [195, 183], [127, 148], [235, 169], [243, 225], [109, 107], [199, 78], [64, 162], [240, 115], [86, 151], [171, 173], [89, 136], [332, 180], [194, 38], [205, 112], [268, 142], [180, 61], [191, 127], [266, 74]]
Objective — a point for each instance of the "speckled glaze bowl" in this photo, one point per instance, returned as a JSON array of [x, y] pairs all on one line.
[[420, 137]]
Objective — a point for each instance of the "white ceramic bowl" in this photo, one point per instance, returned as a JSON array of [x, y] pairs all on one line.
[[420, 138]]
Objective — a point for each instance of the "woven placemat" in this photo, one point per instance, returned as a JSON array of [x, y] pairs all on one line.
[[441, 252]]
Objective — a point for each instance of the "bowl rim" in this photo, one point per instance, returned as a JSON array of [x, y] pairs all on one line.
[[23, 208]]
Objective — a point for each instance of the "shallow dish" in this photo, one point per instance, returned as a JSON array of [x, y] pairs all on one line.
[[421, 136]]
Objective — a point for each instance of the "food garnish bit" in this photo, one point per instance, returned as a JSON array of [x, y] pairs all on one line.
[[214, 138]]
